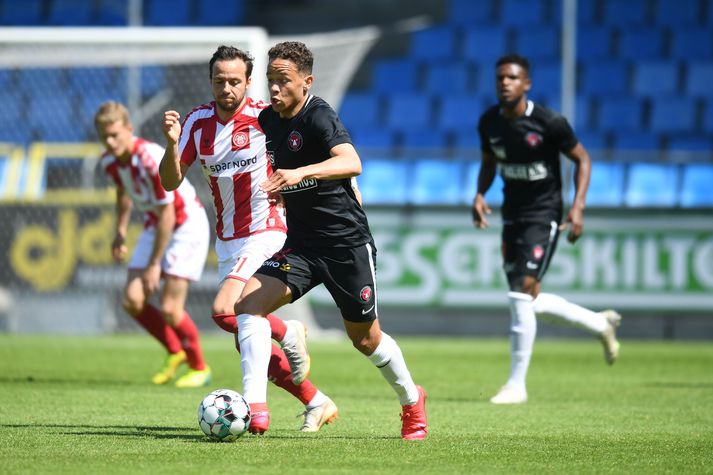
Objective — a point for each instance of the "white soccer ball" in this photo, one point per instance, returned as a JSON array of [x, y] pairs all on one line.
[[224, 415]]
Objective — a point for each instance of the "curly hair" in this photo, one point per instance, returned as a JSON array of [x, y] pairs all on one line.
[[514, 59], [228, 53], [293, 51]]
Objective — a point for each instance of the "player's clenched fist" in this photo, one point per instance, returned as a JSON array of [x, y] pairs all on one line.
[[172, 126]]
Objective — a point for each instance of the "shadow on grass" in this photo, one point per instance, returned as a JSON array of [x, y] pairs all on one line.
[[158, 432]]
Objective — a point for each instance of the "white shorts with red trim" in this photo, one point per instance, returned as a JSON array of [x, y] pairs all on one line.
[[185, 254], [240, 258]]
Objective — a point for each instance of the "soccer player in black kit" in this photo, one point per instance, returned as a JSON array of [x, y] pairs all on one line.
[[525, 141], [328, 237]]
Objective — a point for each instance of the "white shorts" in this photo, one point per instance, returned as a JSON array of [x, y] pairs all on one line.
[[240, 258], [185, 254]]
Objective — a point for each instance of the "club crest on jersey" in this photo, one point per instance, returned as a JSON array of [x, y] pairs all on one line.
[[241, 139], [533, 139], [538, 252], [294, 141], [365, 294]]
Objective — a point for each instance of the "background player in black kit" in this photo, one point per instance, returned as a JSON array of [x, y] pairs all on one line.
[[525, 141], [328, 236]]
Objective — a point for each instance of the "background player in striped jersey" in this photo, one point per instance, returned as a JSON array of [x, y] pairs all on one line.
[[173, 245], [225, 138], [525, 140]]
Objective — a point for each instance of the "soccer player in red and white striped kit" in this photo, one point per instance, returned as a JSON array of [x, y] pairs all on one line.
[[226, 140], [173, 245]]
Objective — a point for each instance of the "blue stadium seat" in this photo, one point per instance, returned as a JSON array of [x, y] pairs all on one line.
[[655, 77], [384, 181], [433, 43], [538, 44], [522, 13], [32, 80], [694, 44], [5, 79], [676, 13], [70, 12], [112, 13], [464, 139], [53, 118], [494, 195], [460, 112], [588, 13], [360, 109], [696, 185], [485, 80], [398, 74], [547, 78], [606, 184], [691, 143], [699, 78], [600, 78], [153, 79], [451, 77], [468, 12], [220, 12], [652, 184], [639, 141], [372, 137], [12, 108], [436, 182], [167, 12], [408, 111], [23, 13], [484, 45], [673, 114], [708, 116], [625, 13], [97, 80], [429, 138], [620, 114], [641, 44], [582, 108], [593, 140], [594, 43]]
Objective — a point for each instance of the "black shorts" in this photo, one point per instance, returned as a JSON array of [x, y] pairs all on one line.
[[528, 248], [349, 274]]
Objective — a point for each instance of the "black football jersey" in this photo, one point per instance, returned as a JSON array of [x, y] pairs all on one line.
[[320, 213], [527, 149]]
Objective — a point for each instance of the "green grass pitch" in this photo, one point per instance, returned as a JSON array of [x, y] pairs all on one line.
[[86, 405]]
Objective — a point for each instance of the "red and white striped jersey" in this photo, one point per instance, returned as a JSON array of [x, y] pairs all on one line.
[[234, 161], [140, 180]]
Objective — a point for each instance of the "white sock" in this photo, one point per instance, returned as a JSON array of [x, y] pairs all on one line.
[[318, 399], [255, 350], [523, 327], [551, 305], [390, 361]]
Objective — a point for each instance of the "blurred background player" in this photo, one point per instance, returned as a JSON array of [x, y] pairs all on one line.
[[173, 245], [525, 140], [225, 137], [328, 238]]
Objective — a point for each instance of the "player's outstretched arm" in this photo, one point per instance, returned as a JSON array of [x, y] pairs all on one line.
[[486, 175], [582, 172], [343, 162], [171, 170]]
